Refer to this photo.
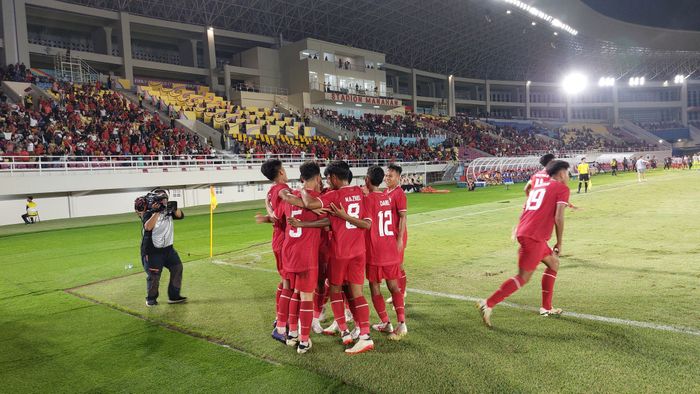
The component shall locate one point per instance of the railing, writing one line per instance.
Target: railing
(340, 129)
(360, 91)
(259, 89)
(100, 164)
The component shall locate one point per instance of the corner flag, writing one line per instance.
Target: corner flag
(212, 207)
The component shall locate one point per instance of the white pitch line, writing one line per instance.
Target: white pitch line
(584, 316)
(613, 320)
(459, 216)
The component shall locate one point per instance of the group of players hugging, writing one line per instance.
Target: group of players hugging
(326, 240)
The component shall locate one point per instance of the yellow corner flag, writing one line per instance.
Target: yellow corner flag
(212, 207)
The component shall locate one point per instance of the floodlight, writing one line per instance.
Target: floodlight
(574, 83)
(679, 79)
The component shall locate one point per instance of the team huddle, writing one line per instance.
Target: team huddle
(326, 241)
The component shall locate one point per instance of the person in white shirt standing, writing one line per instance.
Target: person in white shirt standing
(641, 169)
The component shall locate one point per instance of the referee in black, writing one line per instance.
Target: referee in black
(158, 251)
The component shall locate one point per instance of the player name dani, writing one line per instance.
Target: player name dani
(384, 203)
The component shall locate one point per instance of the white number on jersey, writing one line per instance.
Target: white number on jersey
(534, 200)
(295, 232)
(385, 224)
(354, 211)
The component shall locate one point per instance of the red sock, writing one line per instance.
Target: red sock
(279, 293)
(361, 314)
(548, 279)
(293, 320)
(380, 307)
(402, 282)
(306, 309)
(318, 304)
(510, 286)
(397, 300)
(338, 308)
(351, 306)
(283, 310)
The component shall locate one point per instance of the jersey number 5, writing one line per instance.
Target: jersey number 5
(354, 211)
(295, 232)
(534, 200)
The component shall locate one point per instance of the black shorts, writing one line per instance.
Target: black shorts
(584, 177)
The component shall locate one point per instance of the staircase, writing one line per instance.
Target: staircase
(639, 132)
(69, 68)
(194, 126)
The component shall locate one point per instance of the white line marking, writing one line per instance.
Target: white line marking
(613, 320)
(584, 316)
(458, 216)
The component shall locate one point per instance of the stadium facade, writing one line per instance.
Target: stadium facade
(138, 48)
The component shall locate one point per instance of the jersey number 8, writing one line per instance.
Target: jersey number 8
(354, 211)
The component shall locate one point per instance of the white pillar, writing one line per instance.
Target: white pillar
(15, 38)
(451, 106)
(527, 100)
(616, 106)
(125, 29)
(210, 58)
(488, 97)
(684, 103)
(414, 93)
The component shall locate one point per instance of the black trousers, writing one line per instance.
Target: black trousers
(26, 219)
(153, 263)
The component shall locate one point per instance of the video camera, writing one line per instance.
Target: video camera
(156, 196)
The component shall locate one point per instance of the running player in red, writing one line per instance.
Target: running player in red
(399, 208)
(543, 210)
(383, 255)
(300, 255)
(348, 224)
(274, 171)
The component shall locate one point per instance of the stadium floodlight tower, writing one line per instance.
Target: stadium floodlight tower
(574, 83)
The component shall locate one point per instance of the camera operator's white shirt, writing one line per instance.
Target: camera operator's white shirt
(163, 232)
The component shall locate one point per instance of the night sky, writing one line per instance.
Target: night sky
(672, 14)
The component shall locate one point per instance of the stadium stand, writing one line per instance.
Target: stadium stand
(88, 120)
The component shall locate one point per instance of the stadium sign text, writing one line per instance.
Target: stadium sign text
(351, 98)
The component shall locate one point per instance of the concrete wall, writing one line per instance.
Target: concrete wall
(81, 193)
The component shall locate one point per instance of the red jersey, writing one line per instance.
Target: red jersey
(278, 226)
(537, 219)
(348, 240)
(300, 248)
(539, 176)
(398, 204)
(381, 237)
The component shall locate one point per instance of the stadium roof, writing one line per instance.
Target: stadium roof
(468, 38)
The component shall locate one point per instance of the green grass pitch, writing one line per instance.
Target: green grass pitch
(630, 254)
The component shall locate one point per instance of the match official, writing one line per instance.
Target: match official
(583, 175)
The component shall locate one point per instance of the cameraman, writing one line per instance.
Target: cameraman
(158, 237)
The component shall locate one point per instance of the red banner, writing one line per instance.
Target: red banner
(351, 98)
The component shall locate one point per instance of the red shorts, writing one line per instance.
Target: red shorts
(305, 281)
(531, 253)
(378, 273)
(350, 270)
(280, 266)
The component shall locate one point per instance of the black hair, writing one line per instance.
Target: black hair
(376, 175)
(544, 160)
(340, 169)
(309, 170)
(30, 198)
(271, 168)
(395, 167)
(555, 166)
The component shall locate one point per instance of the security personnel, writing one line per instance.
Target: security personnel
(159, 250)
(613, 166)
(31, 211)
(583, 175)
